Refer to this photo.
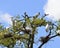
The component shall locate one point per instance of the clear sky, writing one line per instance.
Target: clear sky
(20, 6)
(14, 7)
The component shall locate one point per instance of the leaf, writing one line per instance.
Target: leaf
(38, 21)
(7, 41)
(28, 21)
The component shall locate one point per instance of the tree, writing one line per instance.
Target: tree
(25, 30)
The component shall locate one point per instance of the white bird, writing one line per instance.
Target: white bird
(58, 31)
(29, 29)
(48, 27)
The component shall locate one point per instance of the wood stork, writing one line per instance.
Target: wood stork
(48, 27)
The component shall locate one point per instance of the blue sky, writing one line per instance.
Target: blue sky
(14, 7)
(18, 7)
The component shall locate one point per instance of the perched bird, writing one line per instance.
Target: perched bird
(28, 29)
(58, 31)
(48, 27)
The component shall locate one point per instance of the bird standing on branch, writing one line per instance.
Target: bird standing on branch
(48, 27)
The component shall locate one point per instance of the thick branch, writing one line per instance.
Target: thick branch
(53, 36)
(47, 41)
(41, 45)
(29, 41)
(32, 41)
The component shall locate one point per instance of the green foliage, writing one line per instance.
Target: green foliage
(39, 21)
(10, 35)
(7, 41)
